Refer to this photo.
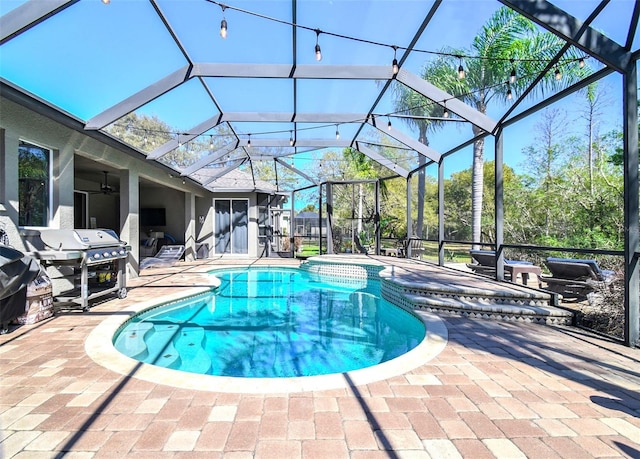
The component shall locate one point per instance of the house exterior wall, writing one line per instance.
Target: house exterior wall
(18, 122)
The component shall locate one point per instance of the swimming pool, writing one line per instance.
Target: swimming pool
(273, 323)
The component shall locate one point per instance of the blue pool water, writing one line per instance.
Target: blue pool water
(273, 323)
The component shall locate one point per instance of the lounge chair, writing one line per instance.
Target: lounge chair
(412, 248)
(167, 256)
(485, 261)
(576, 278)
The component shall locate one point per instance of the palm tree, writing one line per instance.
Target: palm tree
(508, 42)
(420, 109)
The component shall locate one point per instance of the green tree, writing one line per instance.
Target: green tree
(458, 197)
(507, 41)
(574, 192)
(545, 158)
(423, 116)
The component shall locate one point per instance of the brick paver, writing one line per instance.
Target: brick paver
(496, 390)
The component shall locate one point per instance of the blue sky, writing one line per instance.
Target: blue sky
(92, 55)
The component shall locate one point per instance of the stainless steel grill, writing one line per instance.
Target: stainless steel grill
(84, 264)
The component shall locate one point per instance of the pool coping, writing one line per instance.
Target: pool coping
(100, 348)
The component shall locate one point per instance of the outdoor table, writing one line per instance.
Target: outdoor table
(523, 270)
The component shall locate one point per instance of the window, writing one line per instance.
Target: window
(34, 185)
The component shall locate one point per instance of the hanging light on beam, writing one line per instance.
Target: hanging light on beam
(394, 65)
(223, 23)
(461, 72)
(558, 74)
(318, 50)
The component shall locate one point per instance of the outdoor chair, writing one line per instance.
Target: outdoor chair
(576, 278)
(148, 247)
(167, 256)
(412, 248)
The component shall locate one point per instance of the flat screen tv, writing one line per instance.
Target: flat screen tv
(151, 216)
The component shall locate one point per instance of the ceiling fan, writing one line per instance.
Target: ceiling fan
(105, 188)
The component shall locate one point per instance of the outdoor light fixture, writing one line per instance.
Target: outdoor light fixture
(388, 124)
(509, 94)
(461, 73)
(210, 141)
(337, 133)
(581, 62)
(558, 74)
(223, 23)
(249, 141)
(291, 138)
(394, 64)
(223, 28)
(512, 76)
(106, 2)
(318, 51)
(445, 113)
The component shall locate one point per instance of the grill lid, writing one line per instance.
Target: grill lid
(79, 239)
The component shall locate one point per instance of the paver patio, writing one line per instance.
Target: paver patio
(497, 389)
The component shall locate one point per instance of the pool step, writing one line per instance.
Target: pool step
(520, 311)
(163, 352)
(189, 345)
(132, 343)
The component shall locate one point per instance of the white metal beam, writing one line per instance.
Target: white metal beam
(213, 157)
(316, 143)
(184, 138)
(234, 165)
(137, 100)
(421, 148)
(297, 171)
(382, 160)
(439, 96)
(289, 117)
(304, 71)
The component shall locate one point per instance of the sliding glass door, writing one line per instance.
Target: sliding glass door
(232, 226)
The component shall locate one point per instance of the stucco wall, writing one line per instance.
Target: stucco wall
(119, 212)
